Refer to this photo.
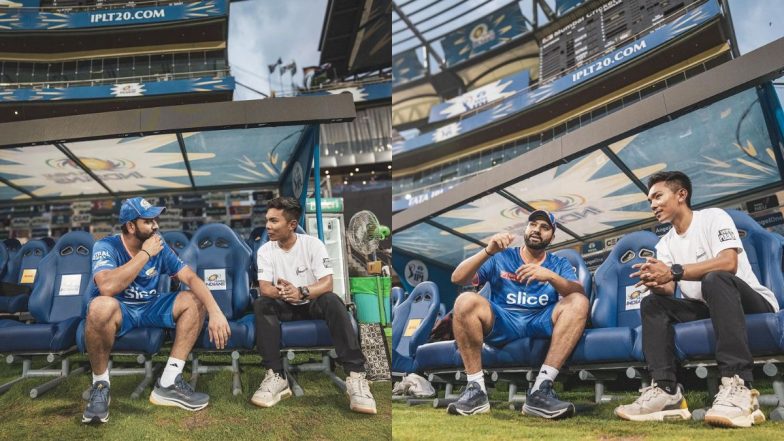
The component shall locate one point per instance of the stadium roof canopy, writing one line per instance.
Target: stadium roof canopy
(162, 150)
(356, 36)
(720, 127)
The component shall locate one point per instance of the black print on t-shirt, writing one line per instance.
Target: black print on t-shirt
(726, 234)
(301, 269)
(326, 262)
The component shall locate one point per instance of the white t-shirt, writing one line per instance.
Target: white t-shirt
(710, 232)
(304, 264)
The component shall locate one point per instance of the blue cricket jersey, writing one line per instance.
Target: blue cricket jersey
(110, 253)
(508, 292)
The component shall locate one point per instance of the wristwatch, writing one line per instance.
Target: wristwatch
(677, 272)
(305, 292)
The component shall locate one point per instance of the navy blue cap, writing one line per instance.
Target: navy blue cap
(135, 208)
(543, 215)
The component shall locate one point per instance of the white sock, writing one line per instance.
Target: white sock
(173, 368)
(479, 377)
(545, 373)
(102, 377)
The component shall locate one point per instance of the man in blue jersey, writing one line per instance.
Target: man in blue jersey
(533, 294)
(124, 290)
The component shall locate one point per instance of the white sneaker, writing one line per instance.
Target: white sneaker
(654, 404)
(735, 405)
(358, 391)
(272, 389)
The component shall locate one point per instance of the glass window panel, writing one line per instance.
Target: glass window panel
(96, 69)
(181, 63)
(125, 67)
(433, 243)
(83, 70)
(69, 71)
(46, 172)
(724, 148)
(141, 65)
(587, 195)
(110, 68)
(241, 156)
(136, 164)
(39, 73)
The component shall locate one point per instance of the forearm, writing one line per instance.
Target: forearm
(467, 268)
(696, 271)
(269, 290)
(564, 286)
(114, 281)
(322, 286)
(200, 290)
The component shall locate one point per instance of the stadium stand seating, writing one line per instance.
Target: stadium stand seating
(55, 304)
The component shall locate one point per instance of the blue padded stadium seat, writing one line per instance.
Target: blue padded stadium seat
(583, 273)
(55, 302)
(22, 270)
(414, 320)
(221, 259)
(695, 340)
(177, 241)
(397, 296)
(615, 313)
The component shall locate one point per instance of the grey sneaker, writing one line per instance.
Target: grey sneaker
(97, 410)
(654, 404)
(358, 391)
(272, 389)
(179, 394)
(735, 405)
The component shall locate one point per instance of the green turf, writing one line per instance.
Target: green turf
(322, 414)
(593, 422)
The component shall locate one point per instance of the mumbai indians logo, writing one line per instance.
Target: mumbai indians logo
(213, 278)
(480, 35)
(560, 203)
(94, 164)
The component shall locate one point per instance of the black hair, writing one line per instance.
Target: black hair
(675, 180)
(290, 206)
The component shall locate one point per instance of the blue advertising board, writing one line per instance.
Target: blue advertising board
(406, 67)
(363, 93)
(482, 35)
(481, 96)
(33, 19)
(515, 104)
(203, 84)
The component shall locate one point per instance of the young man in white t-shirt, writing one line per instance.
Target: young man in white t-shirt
(703, 254)
(295, 279)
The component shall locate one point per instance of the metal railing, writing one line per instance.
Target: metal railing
(85, 6)
(115, 80)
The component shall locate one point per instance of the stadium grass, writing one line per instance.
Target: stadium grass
(321, 414)
(592, 422)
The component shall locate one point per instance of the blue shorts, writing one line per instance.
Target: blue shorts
(509, 325)
(157, 313)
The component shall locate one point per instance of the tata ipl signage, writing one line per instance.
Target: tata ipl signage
(479, 97)
(519, 102)
(32, 19)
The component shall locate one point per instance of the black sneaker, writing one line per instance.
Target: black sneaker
(472, 400)
(179, 394)
(545, 403)
(97, 410)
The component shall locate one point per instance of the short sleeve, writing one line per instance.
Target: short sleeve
(172, 264)
(264, 263)
(567, 270)
(319, 260)
(104, 257)
(722, 233)
(485, 272)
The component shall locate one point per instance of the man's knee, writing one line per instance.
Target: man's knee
(468, 303)
(102, 309)
(265, 305)
(578, 305)
(329, 300)
(190, 301)
(714, 278)
(651, 302)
